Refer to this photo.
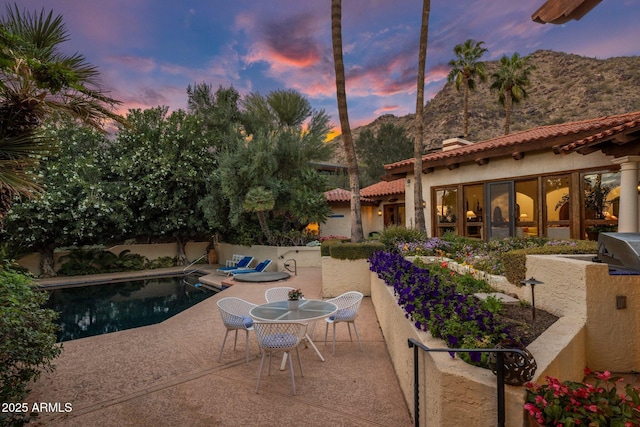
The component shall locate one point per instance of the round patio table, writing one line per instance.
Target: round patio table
(308, 310)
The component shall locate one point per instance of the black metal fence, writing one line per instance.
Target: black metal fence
(416, 345)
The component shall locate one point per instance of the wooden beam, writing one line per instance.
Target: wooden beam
(453, 166)
(428, 170)
(482, 161)
(518, 155)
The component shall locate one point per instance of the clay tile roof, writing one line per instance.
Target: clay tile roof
(338, 195)
(384, 188)
(541, 137)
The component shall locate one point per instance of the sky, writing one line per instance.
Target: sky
(149, 51)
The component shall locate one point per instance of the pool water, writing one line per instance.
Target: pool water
(100, 309)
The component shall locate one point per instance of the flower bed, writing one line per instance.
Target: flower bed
(436, 304)
(571, 403)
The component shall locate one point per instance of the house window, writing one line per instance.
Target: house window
(601, 193)
(526, 214)
(394, 215)
(446, 211)
(557, 207)
(474, 211)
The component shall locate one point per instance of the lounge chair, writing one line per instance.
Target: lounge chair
(259, 268)
(243, 263)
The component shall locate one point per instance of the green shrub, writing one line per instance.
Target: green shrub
(80, 262)
(325, 247)
(28, 343)
(391, 236)
(515, 262)
(162, 262)
(355, 250)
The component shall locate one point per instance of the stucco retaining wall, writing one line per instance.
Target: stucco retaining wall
(304, 256)
(340, 276)
(193, 250)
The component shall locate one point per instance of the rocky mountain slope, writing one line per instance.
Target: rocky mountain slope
(564, 88)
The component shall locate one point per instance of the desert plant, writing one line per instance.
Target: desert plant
(28, 345)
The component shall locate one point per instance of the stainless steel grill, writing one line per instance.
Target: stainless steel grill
(619, 250)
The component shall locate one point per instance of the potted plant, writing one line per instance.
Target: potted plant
(294, 298)
(571, 403)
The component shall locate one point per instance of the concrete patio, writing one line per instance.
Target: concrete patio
(167, 374)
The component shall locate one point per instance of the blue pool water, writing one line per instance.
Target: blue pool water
(99, 309)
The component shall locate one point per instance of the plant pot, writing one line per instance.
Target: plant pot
(212, 256)
(293, 304)
(518, 369)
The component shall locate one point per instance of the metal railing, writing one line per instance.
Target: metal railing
(287, 266)
(186, 269)
(416, 345)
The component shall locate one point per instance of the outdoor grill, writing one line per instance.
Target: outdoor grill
(620, 250)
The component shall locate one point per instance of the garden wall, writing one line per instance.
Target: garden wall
(340, 276)
(193, 250)
(304, 256)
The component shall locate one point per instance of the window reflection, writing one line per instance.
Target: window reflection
(446, 210)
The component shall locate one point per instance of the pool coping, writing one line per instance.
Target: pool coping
(96, 279)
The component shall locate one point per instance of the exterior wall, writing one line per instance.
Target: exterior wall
(506, 168)
(342, 226)
(337, 226)
(304, 256)
(340, 276)
(193, 250)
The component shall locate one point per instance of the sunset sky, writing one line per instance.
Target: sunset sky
(148, 51)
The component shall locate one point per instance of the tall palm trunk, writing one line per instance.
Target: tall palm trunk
(507, 111)
(418, 142)
(357, 234)
(465, 112)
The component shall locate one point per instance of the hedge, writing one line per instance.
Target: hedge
(348, 250)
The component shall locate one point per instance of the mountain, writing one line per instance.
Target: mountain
(564, 88)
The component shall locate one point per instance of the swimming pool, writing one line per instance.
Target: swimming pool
(98, 309)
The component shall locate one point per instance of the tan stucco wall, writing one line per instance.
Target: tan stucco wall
(340, 276)
(342, 226)
(304, 256)
(193, 250)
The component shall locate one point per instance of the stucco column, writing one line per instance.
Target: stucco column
(628, 215)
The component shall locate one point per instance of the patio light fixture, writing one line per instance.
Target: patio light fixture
(533, 282)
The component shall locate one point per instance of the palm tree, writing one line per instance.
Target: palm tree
(510, 82)
(38, 81)
(260, 200)
(418, 142)
(357, 235)
(465, 68)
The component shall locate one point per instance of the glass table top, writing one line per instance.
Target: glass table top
(308, 309)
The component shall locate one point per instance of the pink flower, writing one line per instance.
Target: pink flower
(604, 376)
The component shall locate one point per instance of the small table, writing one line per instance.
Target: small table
(308, 310)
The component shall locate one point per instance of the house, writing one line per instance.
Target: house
(559, 181)
(382, 205)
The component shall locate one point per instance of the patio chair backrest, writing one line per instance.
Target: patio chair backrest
(277, 294)
(263, 265)
(244, 262)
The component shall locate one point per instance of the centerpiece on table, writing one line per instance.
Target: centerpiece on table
(295, 295)
(571, 403)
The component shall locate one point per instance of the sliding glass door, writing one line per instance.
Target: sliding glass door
(500, 213)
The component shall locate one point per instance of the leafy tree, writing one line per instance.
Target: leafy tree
(28, 345)
(82, 203)
(165, 162)
(418, 143)
(259, 200)
(510, 81)
(37, 81)
(218, 113)
(357, 234)
(389, 144)
(465, 68)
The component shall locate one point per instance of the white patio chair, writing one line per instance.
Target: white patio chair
(277, 294)
(279, 336)
(348, 306)
(235, 316)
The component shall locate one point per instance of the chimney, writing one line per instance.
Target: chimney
(453, 143)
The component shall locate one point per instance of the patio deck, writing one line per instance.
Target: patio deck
(167, 374)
